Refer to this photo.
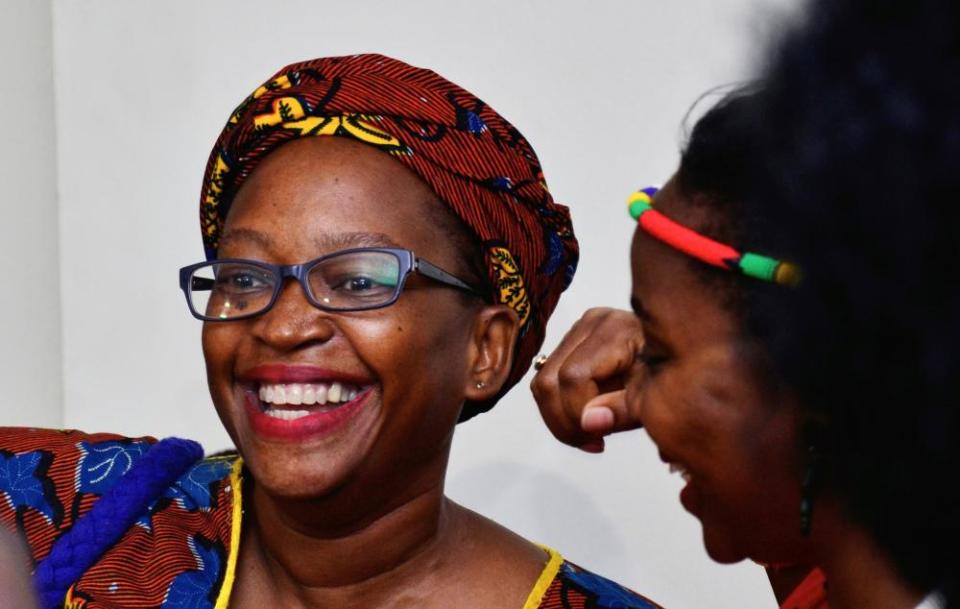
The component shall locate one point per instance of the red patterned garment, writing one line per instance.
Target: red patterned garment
(175, 555)
(181, 553)
(810, 594)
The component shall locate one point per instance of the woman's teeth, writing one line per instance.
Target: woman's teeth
(674, 469)
(295, 394)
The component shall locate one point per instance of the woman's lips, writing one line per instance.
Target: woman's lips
(320, 421)
(297, 402)
(687, 499)
(286, 373)
(687, 494)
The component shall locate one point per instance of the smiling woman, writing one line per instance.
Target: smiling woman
(810, 409)
(362, 294)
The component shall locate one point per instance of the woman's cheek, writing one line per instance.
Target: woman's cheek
(219, 343)
(659, 414)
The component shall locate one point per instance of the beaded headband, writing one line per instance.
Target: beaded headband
(704, 248)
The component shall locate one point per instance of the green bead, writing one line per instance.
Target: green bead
(637, 208)
(759, 267)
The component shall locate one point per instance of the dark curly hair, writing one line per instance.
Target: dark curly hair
(845, 158)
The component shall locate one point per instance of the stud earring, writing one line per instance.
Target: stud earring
(481, 384)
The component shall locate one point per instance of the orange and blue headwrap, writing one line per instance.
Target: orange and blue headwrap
(705, 249)
(475, 161)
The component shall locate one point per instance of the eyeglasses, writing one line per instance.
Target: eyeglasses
(349, 280)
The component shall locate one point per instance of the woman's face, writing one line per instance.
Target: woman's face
(406, 363)
(704, 404)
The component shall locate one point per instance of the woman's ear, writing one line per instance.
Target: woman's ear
(490, 355)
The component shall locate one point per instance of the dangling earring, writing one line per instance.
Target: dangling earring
(808, 487)
(806, 493)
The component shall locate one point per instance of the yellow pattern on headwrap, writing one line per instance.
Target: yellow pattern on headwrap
(283, 110)
(213, 194)
(347, 124)
(509, 283)
(289, 113)
(281, 82)
(220, 169)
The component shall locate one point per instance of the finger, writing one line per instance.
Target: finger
(609, 413)
(591, 359)
(599, 366)
(547, 393)
(597, 420)
(594, 446)
(599, 415)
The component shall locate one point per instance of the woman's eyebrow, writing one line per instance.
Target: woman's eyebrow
(324, 242)
(246, 234)
(338, 241)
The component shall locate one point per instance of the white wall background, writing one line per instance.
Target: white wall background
(30, 353)
(142, 89)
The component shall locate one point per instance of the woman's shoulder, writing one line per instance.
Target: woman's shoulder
(514, 562)
(58, 442)
(51, 480)
(52, 477)
(46, 474)
(565, 584)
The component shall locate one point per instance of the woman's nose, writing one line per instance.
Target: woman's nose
(293, 322)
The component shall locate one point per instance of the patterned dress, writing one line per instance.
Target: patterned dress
(180, 551)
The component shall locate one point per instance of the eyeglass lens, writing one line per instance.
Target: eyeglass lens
(353, 280)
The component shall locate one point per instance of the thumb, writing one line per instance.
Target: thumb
(607, 413)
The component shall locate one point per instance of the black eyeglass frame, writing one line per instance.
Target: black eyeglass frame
(409, 263)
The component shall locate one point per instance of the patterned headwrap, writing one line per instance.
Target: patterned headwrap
(475, 161)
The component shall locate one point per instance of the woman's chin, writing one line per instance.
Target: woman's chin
(306, 469)
(299, 475)
(308, 456)
(722, 546)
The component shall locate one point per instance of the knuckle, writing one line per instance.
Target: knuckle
(542, 388)
(572, 374)
(592, 314)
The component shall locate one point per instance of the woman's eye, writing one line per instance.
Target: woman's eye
(650, 359)
(241, 281)
(244, 281)
(359, 284)
(362, 285)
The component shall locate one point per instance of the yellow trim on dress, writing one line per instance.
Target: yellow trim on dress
(549, 573)
(546, 578)
(236, 484)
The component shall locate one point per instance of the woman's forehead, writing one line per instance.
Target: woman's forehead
(244, 237)
(672, 297)
(302, 166)
(325, 194)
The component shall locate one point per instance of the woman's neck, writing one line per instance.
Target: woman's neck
(291, 556)
(860, 574)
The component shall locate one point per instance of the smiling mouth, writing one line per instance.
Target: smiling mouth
(675, 468)
(287, 401)
(679, 469)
